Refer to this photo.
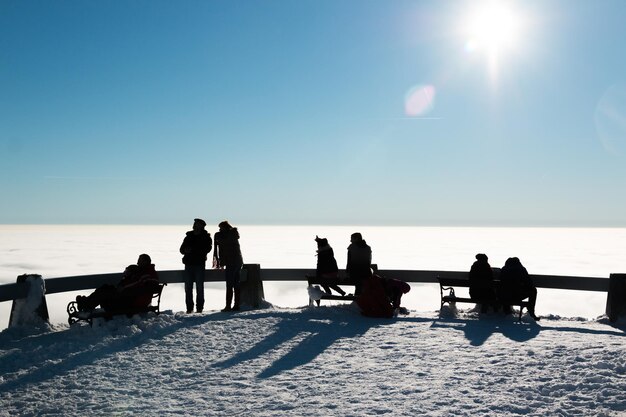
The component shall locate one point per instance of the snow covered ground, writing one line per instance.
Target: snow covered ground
(327, 361)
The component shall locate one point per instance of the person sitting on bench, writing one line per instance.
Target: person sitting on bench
(515, 286)
(133, 291)
(327, 266)
(481, 284)
(359, 261)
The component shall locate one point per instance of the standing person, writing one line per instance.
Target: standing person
(359, 261)
(481, 283)
(196, 245)
(515, 286)
(227, 255)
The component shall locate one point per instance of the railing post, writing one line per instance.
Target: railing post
(251, 286)
(616, 297)
(32, 308)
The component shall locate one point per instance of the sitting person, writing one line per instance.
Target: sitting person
(515, 286)
(481, 283)
(327, 266)
(133, 291)
(359, 261)
(381, 296)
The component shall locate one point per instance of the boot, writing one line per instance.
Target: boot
(237, 299)
(229, 299)
(531, 313)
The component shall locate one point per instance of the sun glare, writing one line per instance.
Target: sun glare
(494, 27)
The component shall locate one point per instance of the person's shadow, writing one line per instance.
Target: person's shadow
(313, 331)
(34, 354)
(477, 331)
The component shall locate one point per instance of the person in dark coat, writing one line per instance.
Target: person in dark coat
(133, 291)
(327, 265)
(196, 245)
(381, 296)
(515, 286)
(359, 261)
(227, 255)
(481, 283)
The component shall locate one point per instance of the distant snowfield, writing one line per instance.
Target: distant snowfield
(327, 361)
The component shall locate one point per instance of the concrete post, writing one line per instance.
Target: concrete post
(252, 294)
(616, 297)
(33, 308)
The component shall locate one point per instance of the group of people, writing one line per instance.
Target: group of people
(514, 285)
(139, 281)
(227, 255)
(376, 296)
(135, 289)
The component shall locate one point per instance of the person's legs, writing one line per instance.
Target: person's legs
(199, 279)
(232, 286)
(189, 280)
(96, 298)
(531, 293)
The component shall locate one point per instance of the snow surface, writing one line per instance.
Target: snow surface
(325, 361)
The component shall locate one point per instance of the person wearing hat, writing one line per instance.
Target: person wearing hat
(227, 255)
(327, 266)
(359, 261)
(196, 245)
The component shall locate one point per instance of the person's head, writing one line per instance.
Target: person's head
(355, 237)
(224, 225)
(198, 225)
(144, 260)
(481, 257)
(512, 262)
(321, 242)
(130, 270)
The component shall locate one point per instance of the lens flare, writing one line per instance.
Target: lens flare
(610, 119)
(419, 100)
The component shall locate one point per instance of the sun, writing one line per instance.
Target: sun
(493, 27)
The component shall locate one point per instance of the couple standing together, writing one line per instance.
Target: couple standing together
(227, 254)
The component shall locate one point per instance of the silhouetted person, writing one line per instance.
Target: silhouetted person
(327, 265)
(381, 296)
(227, 255)
(359, 261)
(133, 291)
(196, 245)
(515, 286)
(395, 289)
(481, 283)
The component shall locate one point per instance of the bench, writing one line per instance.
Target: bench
(448, 284)
(312, 280)
(75, 315)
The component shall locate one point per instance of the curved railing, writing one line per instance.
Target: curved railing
(9, 292)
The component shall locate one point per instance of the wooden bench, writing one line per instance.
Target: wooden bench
(312, 280)
(448, 284)
(75, 315)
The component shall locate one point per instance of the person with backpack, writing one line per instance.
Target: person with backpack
(227, 255)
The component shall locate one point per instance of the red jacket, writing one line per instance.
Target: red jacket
(373, 300)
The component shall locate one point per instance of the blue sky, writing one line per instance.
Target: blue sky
(295, 112)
